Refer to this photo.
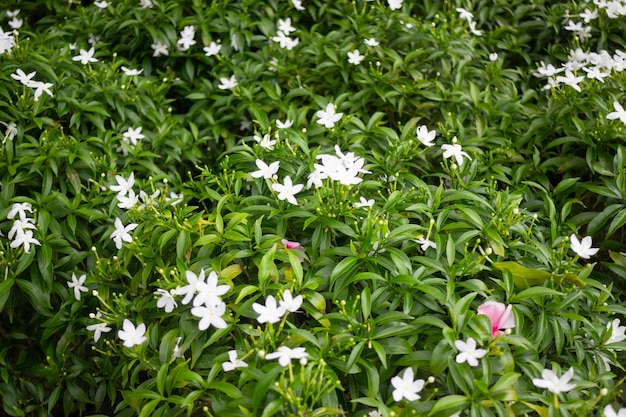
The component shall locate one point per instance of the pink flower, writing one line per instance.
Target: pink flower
(288, 244)
(501, 316)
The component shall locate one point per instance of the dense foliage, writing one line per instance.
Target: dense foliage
(312, 208)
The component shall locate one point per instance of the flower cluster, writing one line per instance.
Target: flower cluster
(21, 234)
(272, 312)
(186, 40)
(284, 29)
(15, 22)
(7, 41)
(464, 14)
(207, 304)
(38, 87)
(341, 168)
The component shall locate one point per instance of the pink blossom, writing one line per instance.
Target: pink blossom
(288, 244)
(501, 316)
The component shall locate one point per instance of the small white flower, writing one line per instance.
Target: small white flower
(288, 190)
(270, 312)
(101, 4)
(24, 238)
(468, 352)
(355, 57)
(284, 25)
(371, 42)
(406, 387)
(425, 243)
(288, 123)
(165, 301)
(265, 171)
(160, 49)
(425, 136)
(133, 135)
(265, 142)
(456, 151)
(212, 49)
(285, 355)
(617, 332)
(297, 4)
(609, 412)
(120, 234)
(363, 202)
(553, 383)
(132, 335)
(77, 285)
(210, 316)
(227, 83)
(85, 57)
(493, 57)
(123, 185)
(178, 352)
(619, 113)
(20, 209)
(289, 303)
(328, 117)
(131, 72)
(233, 362)
(583, 248)
(98, 328)
(395, 4)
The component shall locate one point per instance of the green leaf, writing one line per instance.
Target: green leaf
(5, 291)
(534, 292)
(449, 401)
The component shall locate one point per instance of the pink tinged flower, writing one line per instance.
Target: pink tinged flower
(406, 387)
(289, 303)
(265, 171)
(120, 234)
(210, 316)
(98, 328)
(619, 113)
(166, 300)
(553, 383)
(501, 316)
(233, 362)
(123, 185)
(468, 352)
(270, 312)
(77, 285)
(190, 290)
(208, 293)
(85, 57)
(425, 136)
(132, 335)
(288, 190)
(609, 412)
(328, 117)
(583, 248)
(286, 354)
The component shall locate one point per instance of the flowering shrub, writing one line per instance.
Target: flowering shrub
(368, 208)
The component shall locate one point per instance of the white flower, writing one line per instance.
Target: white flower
(609, 412)
(210, 315)
(287, 191)
(7, 41)
(132, 335)
(316, 177)
(190, 290)
(375, 413)
(493, 57)
(13, 13)
(187, 38)
(619, 113)
(98, 328)
(425, 244)
(16, 23)
(233, 362)
(472, 26)
(285, 355)
(145, 4)
(24, 238)
(406, 387)
(265, 171)
(212, 49)
(355, 57)
(270, 312)
(85, 57)
(101, 4)
(159, 49)
(120, 234)
(425, 136)
(24, 78)
(554, 384)
(328, 117)
(178, 352)
(20, 226)
(298, 5)
(10, 132)
(288, 123)
(227, 83)
(285, 41)
(265, 142)
(40, 88)
(583, 248)
(464, 14)
(363, 202)
(468, 352)
(455, 150)
(395, 4)
(570, 79)
(371, 42)
(123, 185)
(127, 201)
(133, 135)
(617, 332)
(77, 285)
(20, 209)
(174, 198)
(288, 303)
(208, 293)
(165, 301)
(131, 72)
(284, 25)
